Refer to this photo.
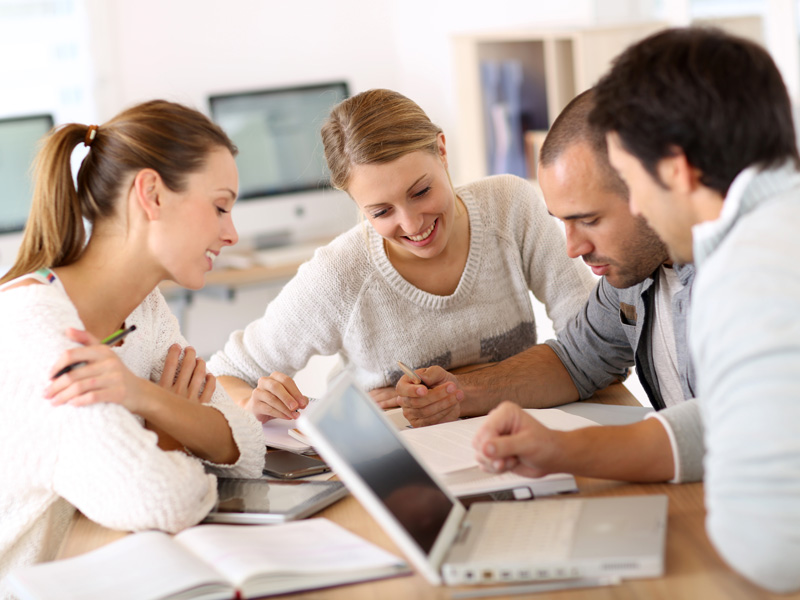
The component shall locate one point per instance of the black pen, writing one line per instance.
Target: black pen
(109, 341)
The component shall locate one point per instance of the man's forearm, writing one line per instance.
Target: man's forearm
(534, 378)
(638, 452)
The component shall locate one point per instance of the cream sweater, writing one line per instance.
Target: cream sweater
(99, 458)
(350, 299)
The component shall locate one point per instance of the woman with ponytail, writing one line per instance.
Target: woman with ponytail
(127, 433)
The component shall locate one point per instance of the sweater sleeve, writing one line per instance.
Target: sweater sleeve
(684, 425)
(308, 317)
(98, 457)
(745, 338)
(561, 283)
(593, 346)
(247, 431)
(113, 471)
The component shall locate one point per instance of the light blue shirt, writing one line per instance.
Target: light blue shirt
(744, 334)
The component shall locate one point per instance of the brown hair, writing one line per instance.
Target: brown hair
(572, 127)
(169, 138)
(376, 126)
(718, 98)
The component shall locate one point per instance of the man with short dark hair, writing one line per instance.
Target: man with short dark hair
(699, 126)
(635, 315)
(637, 311)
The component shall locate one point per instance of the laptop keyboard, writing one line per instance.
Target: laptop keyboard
(537, 529)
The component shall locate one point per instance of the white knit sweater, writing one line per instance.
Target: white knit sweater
(98, 458)
(350, 299)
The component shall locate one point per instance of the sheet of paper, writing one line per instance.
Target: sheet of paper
(447, 447)
(395, 415)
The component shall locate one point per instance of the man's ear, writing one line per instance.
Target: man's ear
(677, 173)
(146, 187)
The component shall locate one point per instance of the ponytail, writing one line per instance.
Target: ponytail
(54, 234)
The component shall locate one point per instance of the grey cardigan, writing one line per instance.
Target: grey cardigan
(613, 333)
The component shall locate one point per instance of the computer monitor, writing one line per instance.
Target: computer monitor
(19, 142)
(284, 184)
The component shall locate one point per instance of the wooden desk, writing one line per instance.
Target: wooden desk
(224, 282)
(693, 568)
(230, 278)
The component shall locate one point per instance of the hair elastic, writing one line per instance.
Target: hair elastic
(90, 135)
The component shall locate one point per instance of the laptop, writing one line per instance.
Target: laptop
(491, 542)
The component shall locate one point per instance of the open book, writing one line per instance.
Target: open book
(446, 449)
(210, 562)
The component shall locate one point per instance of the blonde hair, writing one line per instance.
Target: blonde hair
(376, 126)
(169, 138)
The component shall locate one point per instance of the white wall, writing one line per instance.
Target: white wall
(185, 50)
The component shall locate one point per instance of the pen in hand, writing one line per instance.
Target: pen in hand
(407, 370)
(109, 341)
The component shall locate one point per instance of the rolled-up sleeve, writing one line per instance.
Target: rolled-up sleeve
(684, 426)
(593, 346)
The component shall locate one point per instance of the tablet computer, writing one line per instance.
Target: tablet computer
(254, 501)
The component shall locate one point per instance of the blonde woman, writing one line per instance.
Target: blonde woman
(126, 433)
(435, 276)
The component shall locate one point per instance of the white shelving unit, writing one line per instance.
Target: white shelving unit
(557, 64)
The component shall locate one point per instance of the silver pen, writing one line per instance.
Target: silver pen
(408, 371)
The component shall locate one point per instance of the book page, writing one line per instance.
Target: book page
(140, 566)
(447, 447)
(298, 547)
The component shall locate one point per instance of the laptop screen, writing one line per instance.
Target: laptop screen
(373, 450)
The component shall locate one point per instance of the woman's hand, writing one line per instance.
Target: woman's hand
(385, 397)
(104, 377)
(276, 397)
(187, 378)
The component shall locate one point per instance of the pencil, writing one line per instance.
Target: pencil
(117, 336)
(109, 341)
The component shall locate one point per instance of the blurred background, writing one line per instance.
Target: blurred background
(492, 75)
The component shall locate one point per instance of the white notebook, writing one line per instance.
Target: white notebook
(210, 562)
